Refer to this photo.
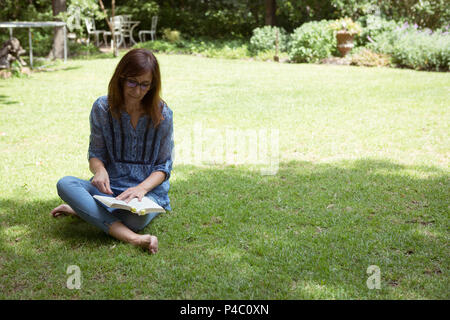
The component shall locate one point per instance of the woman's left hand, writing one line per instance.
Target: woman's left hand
(133, 192)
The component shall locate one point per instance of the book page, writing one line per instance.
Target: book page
(146, 203)
(136, 206)
(105, 200)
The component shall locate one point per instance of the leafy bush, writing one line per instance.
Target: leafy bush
(226, 52)
(79, 50)
(416, 49)
(231, 49)
(430, 14)
(76, 13)
(42, 41)
(219, 18)
(372, 27)
(346, 24)
(312, 42)
(16, 69)
(162, 46)
(293, 13)
(171, 35)
(354, 8)
(264, 39)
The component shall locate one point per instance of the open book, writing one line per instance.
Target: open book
(139, 207)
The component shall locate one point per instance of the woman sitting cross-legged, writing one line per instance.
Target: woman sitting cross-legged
(130, 152)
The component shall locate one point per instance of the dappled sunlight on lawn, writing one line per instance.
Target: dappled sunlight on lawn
(359, 179)
(308, 232)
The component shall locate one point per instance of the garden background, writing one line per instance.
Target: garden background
(363, 155)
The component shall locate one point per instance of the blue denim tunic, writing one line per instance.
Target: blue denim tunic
(131, 155)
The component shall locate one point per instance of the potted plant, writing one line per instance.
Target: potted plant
(345, 29)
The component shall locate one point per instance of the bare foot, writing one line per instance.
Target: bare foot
(149, 242)
(63, 210)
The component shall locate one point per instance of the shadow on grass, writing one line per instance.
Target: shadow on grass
(53, 68)
(308, 232)
(94, 56)
(4, 99)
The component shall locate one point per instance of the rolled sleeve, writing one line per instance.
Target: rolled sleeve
(166, 154)
(97, 145)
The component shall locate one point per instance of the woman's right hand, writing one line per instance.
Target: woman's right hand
(101, 181)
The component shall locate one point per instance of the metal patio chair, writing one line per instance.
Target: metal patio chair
(90, 26)
(151, 32)
(118, 31)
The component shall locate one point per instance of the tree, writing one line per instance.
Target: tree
(271, 8)
(58, 6)
(110, 24)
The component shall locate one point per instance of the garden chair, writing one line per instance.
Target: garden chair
(127, 28)
(118, 31)
(90, 26)
(152, 32)
(126, 17)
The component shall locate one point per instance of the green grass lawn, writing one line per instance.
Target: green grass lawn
(362, 180)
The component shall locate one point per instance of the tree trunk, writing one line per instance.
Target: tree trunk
(113, 8)
(57, 51)
(111, 24)
(271, 7)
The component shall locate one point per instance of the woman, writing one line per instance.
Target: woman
(130, 152)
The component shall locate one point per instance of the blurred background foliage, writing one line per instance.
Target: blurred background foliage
(242, 22)
(238, 18)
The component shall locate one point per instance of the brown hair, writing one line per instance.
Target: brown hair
(135, 63)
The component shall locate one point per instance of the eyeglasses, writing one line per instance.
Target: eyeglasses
(133, 83)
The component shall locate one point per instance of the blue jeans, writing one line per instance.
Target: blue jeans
(77, 193)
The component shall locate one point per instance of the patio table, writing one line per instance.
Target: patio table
(129, 27)
(29, 25)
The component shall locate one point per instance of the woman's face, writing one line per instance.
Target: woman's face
(136, 87)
